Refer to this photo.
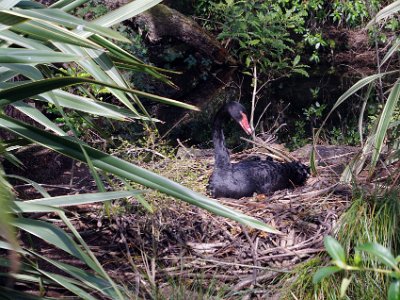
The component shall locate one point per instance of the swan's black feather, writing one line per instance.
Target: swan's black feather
(249, 176)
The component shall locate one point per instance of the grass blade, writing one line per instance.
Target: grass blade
(11, 294)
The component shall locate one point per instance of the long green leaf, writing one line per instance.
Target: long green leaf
(106, 64)
(34, 184)
(391, 51)
(66, 283)
(125, 12)
(387, 11)
(356, 87)
(124, 169)
(59, 17)
(22, 41)
(41, 86)
(27, 56)
(126, 60)
(23, 69)
(38, 116)
(91, 67)
(62, 3)
(23, 207)
(65, 6)
(394, 290)
(6, 4)
(50, 32)
(335, 250)
(6, 229)
(380, 252)
(108, 75)
(6, 74)
(351, 91)
(93, 107)
(95, 282)
(8, 246)
(84, 278)
(29, 4)
(7, 21)
(111, 72)
(83, 104)
(384, 121)
(69, 200)
(324, 272)
(12, 294)
(52, 235)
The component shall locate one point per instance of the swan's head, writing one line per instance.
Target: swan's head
(238, 113)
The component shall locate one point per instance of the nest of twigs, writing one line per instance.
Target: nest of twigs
(190, 243)
(183, 242)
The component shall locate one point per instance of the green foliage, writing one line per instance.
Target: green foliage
(383, 130)
(267, 32)
(92, 10)
(300, 137)
(271, 33)
(348, 135)
(370, 221)
(261, 32)
(352, 13)
(377, 251)
(378, 215)
(316, 41)
(314, 112)
(211, 17)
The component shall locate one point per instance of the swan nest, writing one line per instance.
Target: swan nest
(180, 241)
(193, 243)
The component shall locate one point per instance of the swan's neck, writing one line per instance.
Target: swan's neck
(221, 154)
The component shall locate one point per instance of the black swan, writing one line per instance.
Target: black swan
(246, 177)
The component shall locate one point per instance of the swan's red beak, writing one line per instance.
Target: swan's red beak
(244, 122)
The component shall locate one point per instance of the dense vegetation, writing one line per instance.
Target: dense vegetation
(67, 76)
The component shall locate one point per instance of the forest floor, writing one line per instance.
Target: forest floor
(180, 250)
